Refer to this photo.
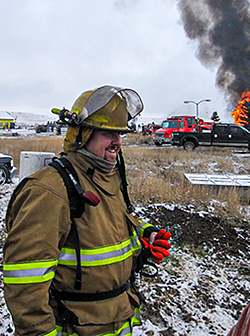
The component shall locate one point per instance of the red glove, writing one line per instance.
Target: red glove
(159, 248)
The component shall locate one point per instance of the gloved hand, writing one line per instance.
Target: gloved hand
(158, 250)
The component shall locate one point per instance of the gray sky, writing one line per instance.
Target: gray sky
(52, 50)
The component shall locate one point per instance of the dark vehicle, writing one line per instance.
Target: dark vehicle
(221, 135)
(41, 128)
(7, 169)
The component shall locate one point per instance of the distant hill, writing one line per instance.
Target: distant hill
(31, 119)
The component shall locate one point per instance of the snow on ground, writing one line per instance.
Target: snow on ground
(6, 326)
(203, 287)
(200, 290)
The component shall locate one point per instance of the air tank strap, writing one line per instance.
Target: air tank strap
(88, 297)
(122, 171)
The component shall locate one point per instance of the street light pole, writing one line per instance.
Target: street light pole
(197, 105)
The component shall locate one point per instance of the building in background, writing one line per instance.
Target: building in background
(7, 121)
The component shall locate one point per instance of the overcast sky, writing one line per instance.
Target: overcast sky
(52, 50)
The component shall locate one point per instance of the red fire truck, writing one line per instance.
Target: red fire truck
(179, 124)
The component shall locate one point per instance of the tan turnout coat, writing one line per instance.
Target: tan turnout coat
(40, 223)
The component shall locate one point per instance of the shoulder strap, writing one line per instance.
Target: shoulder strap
(77, 206)
(71, 181)
(77, 199)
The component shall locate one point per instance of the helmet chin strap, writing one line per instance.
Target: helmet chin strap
(122, 171)
(79, 137)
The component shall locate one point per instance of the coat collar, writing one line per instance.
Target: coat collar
(108, 182)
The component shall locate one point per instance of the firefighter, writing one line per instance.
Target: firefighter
(45, 291)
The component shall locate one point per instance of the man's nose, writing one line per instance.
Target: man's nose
(116, 137)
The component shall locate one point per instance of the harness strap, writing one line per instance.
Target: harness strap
(67, 315)
(71, 181)
(70, 170)
(122, 171)
(87, 297)
(78, 277)
(77, 207)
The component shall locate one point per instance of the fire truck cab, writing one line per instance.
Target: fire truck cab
(179, 124)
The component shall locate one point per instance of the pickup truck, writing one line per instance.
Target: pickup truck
(221, 135)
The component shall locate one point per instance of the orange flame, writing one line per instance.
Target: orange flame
(241, 113)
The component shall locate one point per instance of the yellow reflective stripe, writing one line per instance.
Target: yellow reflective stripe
(28, 280)
(32, 272)
(97, 251)
(136, 241)
(101, 256)
(143, 226)
(30, 265)
(136, 319)
(124, 330)
(103, 262)
(51, 333)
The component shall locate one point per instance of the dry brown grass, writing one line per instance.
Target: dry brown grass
(15, 145)
(156, 175)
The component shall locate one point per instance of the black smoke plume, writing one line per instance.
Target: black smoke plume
(222, 30)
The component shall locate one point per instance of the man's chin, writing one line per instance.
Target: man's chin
(110, 158)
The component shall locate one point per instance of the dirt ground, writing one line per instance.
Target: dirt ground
(223, 236)
(207, 271)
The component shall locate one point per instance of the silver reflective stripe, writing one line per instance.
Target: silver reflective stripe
(137, 315)
(125, 331)
(103, 255)
(97, 257)
(135, 240)
(28, 272)
(142, 227)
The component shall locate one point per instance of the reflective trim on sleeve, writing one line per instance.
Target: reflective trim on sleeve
(103, 255)
(142, 227)
(136, 319)
(32, 272)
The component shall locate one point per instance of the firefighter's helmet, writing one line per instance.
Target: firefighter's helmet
(106, 108)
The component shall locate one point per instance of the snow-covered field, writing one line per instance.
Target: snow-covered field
(6, 327)
(200, 290)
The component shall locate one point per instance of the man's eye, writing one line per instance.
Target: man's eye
(111, 134)
(108, 134)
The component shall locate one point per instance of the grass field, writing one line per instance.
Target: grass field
(156, 175)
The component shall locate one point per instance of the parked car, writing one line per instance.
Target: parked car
(7, 169)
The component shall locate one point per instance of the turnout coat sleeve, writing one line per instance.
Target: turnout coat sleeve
(39, 221)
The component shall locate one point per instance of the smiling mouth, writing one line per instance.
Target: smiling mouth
(111, 149)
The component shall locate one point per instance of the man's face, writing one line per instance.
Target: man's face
(105, 144)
